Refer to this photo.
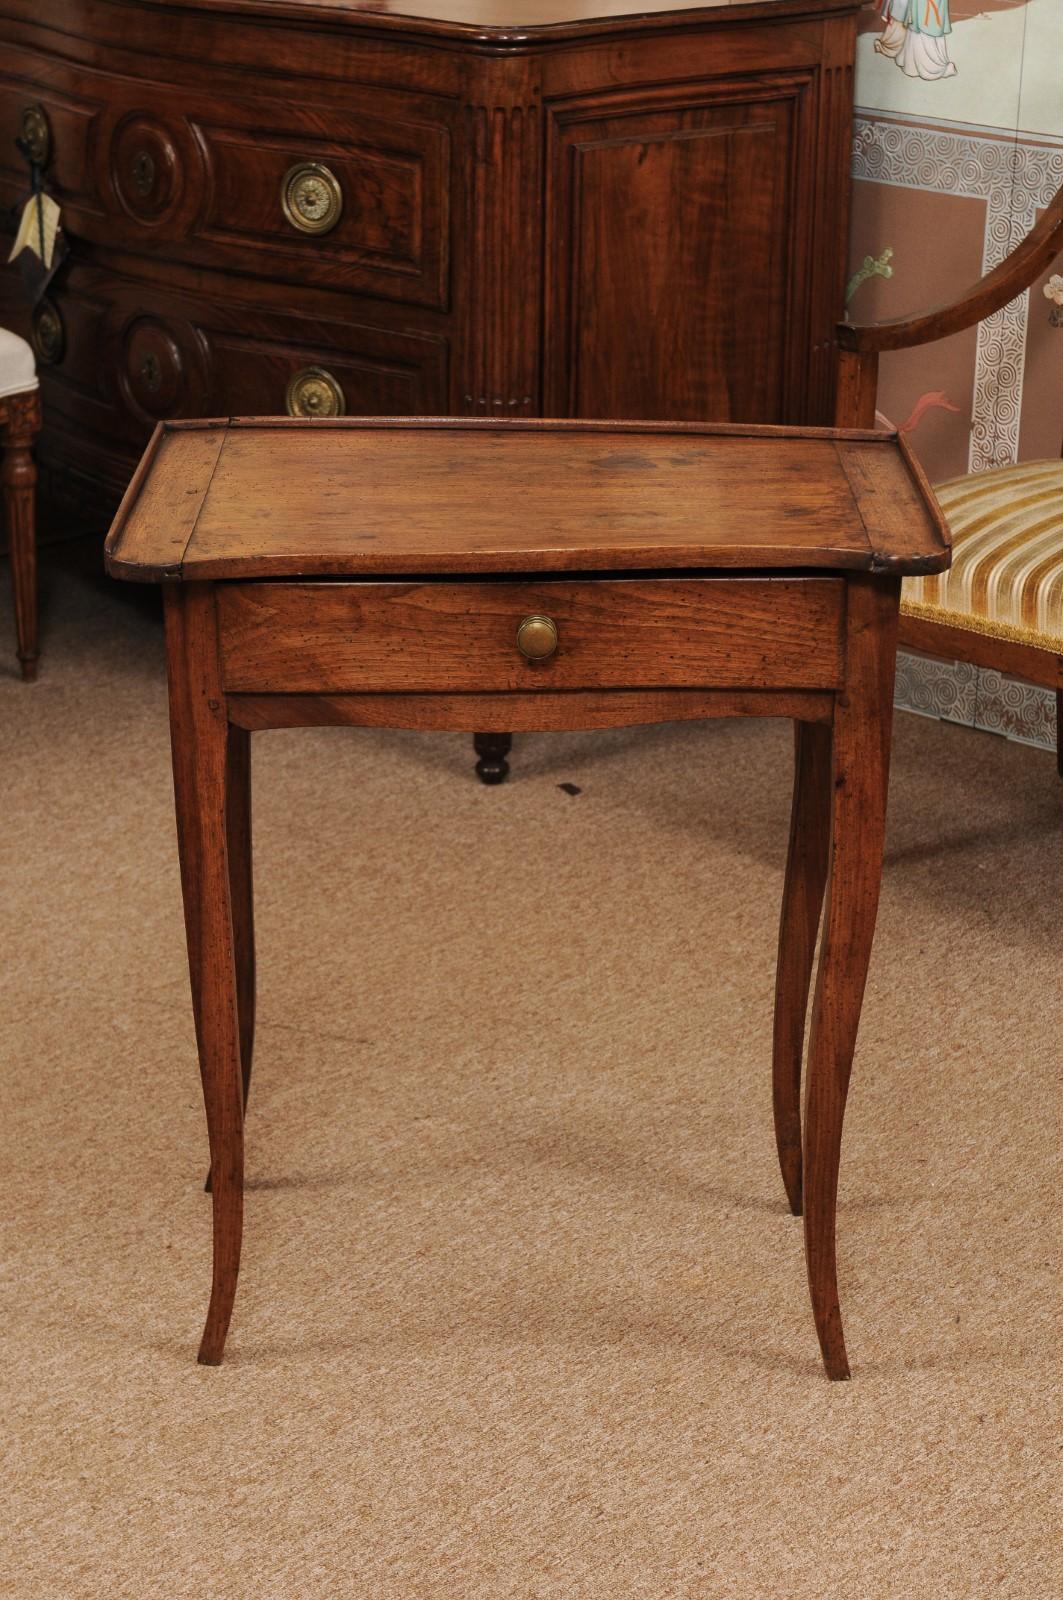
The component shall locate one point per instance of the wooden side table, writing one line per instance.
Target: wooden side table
(535, 575)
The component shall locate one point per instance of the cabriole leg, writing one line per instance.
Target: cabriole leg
(859, 780)
(201, 766)
(806, 874)
(241, 892)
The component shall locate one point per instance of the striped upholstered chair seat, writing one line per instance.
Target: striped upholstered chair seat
(1006, 578)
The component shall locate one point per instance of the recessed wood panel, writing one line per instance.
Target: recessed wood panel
(379, 372)
(668, 258)
(72, 121)
(390, 237)
(136, 352)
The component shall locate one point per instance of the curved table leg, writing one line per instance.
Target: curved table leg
(806, 874)
(859, 781)
(241, 890)
(201, 757)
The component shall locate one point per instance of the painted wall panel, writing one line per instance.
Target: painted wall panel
(958, 146)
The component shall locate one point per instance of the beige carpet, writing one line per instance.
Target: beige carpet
(522, 1313)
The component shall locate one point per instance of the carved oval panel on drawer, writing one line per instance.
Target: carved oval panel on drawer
(161, 369)
(146, 169)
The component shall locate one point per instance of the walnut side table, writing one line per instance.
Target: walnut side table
(535, 575)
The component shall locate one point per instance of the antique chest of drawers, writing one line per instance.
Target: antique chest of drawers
(482, 208)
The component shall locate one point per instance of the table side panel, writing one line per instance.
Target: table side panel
(154, 523)
(905, 527)
(336, 638)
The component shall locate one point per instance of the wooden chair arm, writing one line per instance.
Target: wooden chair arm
(998, 288)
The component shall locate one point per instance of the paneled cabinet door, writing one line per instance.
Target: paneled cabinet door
(672, 231)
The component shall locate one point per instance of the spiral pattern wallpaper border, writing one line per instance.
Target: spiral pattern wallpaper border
(954, 691)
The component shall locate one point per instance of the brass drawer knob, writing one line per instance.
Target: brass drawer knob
(313, 392)
(311, 197)
(537, 637)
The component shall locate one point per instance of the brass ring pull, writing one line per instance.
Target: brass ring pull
(313, 392)
(537, 637)
(311, 197)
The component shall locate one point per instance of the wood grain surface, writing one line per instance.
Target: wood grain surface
(405, 497)
(336, 638)
(204, 795)
(519, 712)
(806, 875)
(859, 780)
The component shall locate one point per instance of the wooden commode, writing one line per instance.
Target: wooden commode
(434, 573)
(486, 208)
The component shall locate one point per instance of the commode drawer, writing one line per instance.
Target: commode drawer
(278, 186)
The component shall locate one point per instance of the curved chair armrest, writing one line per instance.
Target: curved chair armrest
(1015, 274)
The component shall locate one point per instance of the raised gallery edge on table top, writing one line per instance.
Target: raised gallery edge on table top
(412, 496)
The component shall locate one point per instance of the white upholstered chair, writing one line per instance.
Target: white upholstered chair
(20, 422)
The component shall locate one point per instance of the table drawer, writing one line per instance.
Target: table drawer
(335, 638)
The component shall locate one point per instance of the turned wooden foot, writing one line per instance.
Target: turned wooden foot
(492, 749)
(20, 422)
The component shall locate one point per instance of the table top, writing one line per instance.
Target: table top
(374, 497)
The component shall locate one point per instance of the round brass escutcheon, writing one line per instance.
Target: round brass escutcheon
(313, 392)
(37, 134)
(311, 197)
(49, 334)
(537, 637)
